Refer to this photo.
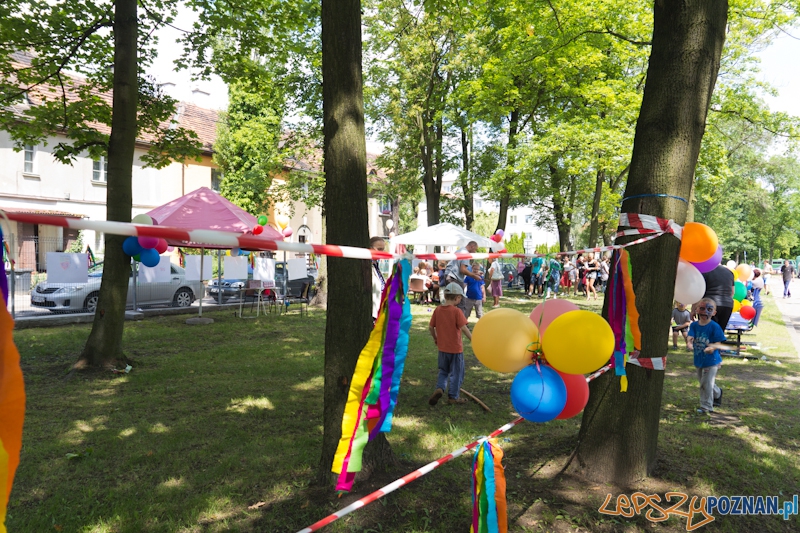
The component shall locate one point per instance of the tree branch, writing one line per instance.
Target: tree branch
(753, 122)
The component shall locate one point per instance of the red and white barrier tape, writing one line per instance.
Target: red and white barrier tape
(394, 485)
(222, 239)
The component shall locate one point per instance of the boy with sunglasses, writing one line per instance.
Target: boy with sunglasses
(705, 339)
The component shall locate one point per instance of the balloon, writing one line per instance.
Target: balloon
(149, 257)
(578, 342)
(746, 303)
(162, 246)
(143, 219)
(731, 264)
(282, 221)
(262, 220)
(739, 290)
(287, 232)
(503, 251)
(170, 248)
(496, 238)
(258, 230)
(690, 285)
(500, 232)
(148, 242)
(748, 313)
(736, 306)
(711, 264)
(538, 393)
(735, 274)
(136, 257)
(544, 313)
(744, 271)
(501, 340)
(698, 243)
(235, 252)
(131, 246)
(577, 394)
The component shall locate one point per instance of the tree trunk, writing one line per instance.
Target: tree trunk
(350, 281)
(466, 179)
(560, 211)
(104, 345)
(505, 198)
(619, 431)
(598, 193)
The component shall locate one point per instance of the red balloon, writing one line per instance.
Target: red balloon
(162, 246)
(747, 312)
(496, 237)
(577, 394)
(503, 251)
(257, 230)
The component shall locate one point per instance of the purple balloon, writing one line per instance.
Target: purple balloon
(710, 264)
(148, 242)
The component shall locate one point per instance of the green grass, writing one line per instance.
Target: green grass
(218, 429)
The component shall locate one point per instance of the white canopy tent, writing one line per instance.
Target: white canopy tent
(445, 235)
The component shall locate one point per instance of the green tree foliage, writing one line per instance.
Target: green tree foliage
(515, 243)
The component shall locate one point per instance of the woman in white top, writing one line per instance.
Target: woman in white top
(592, 267)
(496, 275)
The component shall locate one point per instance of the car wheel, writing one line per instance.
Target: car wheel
(90, 304)
(183, 298)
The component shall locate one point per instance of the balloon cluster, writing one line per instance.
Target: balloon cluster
(497, 237)
(262, 221)
(282, 221)
(700, 253)
(146, 250)
(563, 343)
(741, 275)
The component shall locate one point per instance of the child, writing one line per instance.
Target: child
(476, 292)
(706, 337)
(446, 326)
(681, 319)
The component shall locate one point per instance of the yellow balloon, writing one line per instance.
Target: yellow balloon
(744, 272)
(578, 342)
(736, 306)
(746, 303)
(735, 273)
(282, 221)
(502, 340)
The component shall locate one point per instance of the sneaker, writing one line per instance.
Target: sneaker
(718, 401)
(674, 346)
(702, 411)
(456, 401)
(434, 399)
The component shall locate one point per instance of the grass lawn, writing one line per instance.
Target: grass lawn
(218, 428)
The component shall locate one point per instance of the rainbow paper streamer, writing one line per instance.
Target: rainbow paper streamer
(12, 404)
(376, 379)
(489, 513)
(622, 314)
(89, 253)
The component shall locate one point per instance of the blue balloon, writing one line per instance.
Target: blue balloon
(538, 394)
(131, 246)
(149, 257)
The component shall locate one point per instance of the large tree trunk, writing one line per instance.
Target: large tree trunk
(505, 198)
(600, 179)
(350, 281)
(466, 178)
(104, 346)
(619, 431)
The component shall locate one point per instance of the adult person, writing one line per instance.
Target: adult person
(537, 271)
(526, 274)
(787, 272)
(719, 287)
(758, 286)
(378, 281)
(592, 268)
(496, 277)
(457, 269)
(766, 273)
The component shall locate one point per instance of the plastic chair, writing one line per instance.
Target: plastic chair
(302, 300)
(416, 286)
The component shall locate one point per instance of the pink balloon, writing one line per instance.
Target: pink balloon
(544, 313)
(170, 248)
(148, 242)
(162, 246)
(287, 232)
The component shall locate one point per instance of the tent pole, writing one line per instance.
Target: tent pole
(202, 256)
(219, 277)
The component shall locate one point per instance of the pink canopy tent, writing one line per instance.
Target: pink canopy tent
(207, 209)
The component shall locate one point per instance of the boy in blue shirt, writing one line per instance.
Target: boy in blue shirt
(476, 292)
(705, 339)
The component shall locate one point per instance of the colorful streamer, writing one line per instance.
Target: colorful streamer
(489, 513)
(12, 405)
(376, 378)
(90, 255)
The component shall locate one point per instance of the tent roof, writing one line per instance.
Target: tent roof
(444, 234)
(207, 209)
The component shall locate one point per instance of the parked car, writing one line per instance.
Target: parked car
(778, 263)
(82, 297)
(231, 288)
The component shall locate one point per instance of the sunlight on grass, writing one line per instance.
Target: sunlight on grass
(173, 483)
(127, 432)
(158, 427)
(315, 383)
(412, 422)
(243, 405)
(104, 526)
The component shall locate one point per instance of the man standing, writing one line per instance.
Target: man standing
(378, 282)
(787, 271)
(457, 269)
(719, 287)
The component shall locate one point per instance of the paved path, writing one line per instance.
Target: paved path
(789, 307)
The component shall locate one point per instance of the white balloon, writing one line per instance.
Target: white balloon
(690, 286)
(731, 264)
(143, 219)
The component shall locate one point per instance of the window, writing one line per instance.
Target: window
(528, 219)
(385, 205)
(30, 159)
(447, 187)
(100, 170)
(216, 178)
(478, 204)
(513, 219)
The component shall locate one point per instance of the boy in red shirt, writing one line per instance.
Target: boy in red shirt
(447, 325)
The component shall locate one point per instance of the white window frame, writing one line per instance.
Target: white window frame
(102, 171)
(513, 219)
(29, 165)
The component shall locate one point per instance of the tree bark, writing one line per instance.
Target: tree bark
(600, 179)
(350, 281)
(562, 212)
(104, 345)
(619, 431)
(505, 198)
(466, 179)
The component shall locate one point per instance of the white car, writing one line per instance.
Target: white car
(82, 297)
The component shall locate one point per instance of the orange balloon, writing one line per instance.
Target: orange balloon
(698, 242)
(744, 271)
